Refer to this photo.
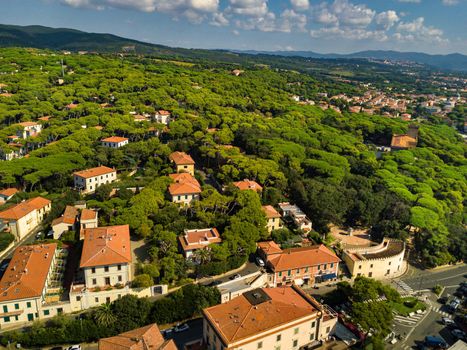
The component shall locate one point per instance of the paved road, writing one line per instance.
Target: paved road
(194, 333)
(426, 279)
(249, 268)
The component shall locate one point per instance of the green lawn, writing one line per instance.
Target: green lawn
(404, 310)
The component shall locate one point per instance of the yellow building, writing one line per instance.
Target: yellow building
(273, 216)
(183, 163)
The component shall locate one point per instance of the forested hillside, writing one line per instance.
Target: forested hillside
(235, 127)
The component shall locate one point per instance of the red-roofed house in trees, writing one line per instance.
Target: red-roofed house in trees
(114, 142)
(184, 189)
(183, 162)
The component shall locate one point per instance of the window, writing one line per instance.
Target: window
(90, 187)
(78, 298)
(359, 267)
(106, 268)
(324, 267)
(94, 281)
(332, 265)
(328, 329)
(6, 319)
(260, 345)
(107, 281)
(370, 274)
(107, 300)
(120, 278)
(28, 304)
(280, 274)
(93, 270)
(5, 308)
(16, 306)
(388, 272)
(295, 331)
(60, 311)
(46, 312)
(179, 197)
(359, 274)
(186, 196)
(288, 273)
(278, 337)
(295, 343)
(312, 336)
(96, 299)
(371, 266)
(390, 262)
(306, 269)
(119, 267)
(313, 324)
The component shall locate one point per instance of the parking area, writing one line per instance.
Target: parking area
(194, 332)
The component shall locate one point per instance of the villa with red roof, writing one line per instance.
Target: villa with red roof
(87, 181)
(304, 265)
(26, 216)
(183, 162)
(163, 117)
(114, 142)
(248, 185)
(193, 240)
(7, 193)
(273, 216)
(29, 129)
(184, 189)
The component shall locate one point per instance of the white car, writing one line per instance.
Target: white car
(260, 261)
(182, 328)
(447, 321)
(74, 347)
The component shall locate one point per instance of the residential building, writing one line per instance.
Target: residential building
(25, 283)
(183, 163)
(144, 338)
(273, 217)
(105, 267)
(405, 141)
(114, 142)
(87, 181)
(26, 216)
(163, 117)
(15, 150)
(248, 185)
(7, 194)
(300, 266)
(268, 318)
(232, 289)
(29, 129)
(382, 261)
(184, 189)
(88, 219)
(193, 240)
(67, 222)
(297, 215)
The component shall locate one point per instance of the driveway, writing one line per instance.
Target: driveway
(139, 252)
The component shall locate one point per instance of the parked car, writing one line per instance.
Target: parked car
(57, 348)
(39, 235)
(167, 332)
(260, 261)
(443, 300)
(447, 321)
(437, 342)
(458, 334)
(181, 328)
(236, 276)
(75, 347)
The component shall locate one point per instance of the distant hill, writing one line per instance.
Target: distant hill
(454, 61)
(75, 40)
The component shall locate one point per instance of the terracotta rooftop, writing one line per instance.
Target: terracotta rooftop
(88, 214)
(403, 141)
(269, 247)
(27, 272)
(258, 311)
(295, 258)
(72, 105)
(25, 124)
(184, 184)
(181, 158)
(7, 192)
(101, 170)
(19, 210)
(106, 246)
(270, 212)
(68, 217)
(144, 338)
(115, 139)
(198, 239)
(163, 112)
(248, 185)
(45, 118)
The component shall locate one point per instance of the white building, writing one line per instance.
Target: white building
(29, 129)
(297, 215)
(193, 240)
(232, 289)
(114, 142)
(7, 193)
(163, 117)
(87, 181)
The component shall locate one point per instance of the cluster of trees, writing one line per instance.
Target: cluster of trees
(120, 316)
(235, 128)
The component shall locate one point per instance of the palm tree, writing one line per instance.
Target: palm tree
(104, 315)
(202, 255)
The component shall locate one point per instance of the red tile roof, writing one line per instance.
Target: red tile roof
(198, 239)
(184, 184)
(45, 118)
(25, 124)
(403, 141)
(144, 338)
(248, 185)
(181, 158)
(88, 214)
(240, 318)
(295, 258)
(269, 247)
(68, 217)
(101, 170)
(106, 246)
(163, 112)
(27, 272)
(22, 209)
(7, 192)
(115, 139)
(270, 212)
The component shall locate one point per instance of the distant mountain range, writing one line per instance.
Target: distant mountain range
(75, 40)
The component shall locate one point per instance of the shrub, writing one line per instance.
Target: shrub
(5, 240)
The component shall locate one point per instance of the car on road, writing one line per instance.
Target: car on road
(236, 276)
(181, 328)
(453, 305)
(447, 321)
(458, 334)
(260, 261)
(215, 283)
(443, 300)
(39, 235)
(74, 347)
(436, 342)
(167, 332)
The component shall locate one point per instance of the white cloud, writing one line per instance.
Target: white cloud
(450, 2)
(219, 20)
(300, 5)
(253, 8)
(290, 20)
(350, 33)
(411, 1)
(417, 30)
(322, 15)
(386, 19)
(352, 15)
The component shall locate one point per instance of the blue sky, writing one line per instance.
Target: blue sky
(341, 26)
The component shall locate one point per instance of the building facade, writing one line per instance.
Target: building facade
(87, 181)
(163, 117)
(114, 142)
(298, 217)
(184, 189)
(26, 216)
(6, 194)
(183, 162)
(273, 217)
(29, 129)
(383, 261)
(194, 240)
(267, 318)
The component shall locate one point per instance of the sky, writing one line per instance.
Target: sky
(324, 26)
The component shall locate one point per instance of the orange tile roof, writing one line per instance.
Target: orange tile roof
(181, 158)
(45, 118)
(144, 338)
(184, 184)
(72, 105)
(163, 112)
(269, 247)
(106, 246)
(25, 124)
(88, 214)
(270, 212)
(87, 173)
(13, 137)
(68, 217)
(22, 209)
(248, 185)
(116, 139)
(7, 192)
(240, 318)
(295, 258)
(98, 127)
(198, 239)
(27, 272)
(403, 141)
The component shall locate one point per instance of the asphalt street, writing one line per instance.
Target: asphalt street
(426, 279)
